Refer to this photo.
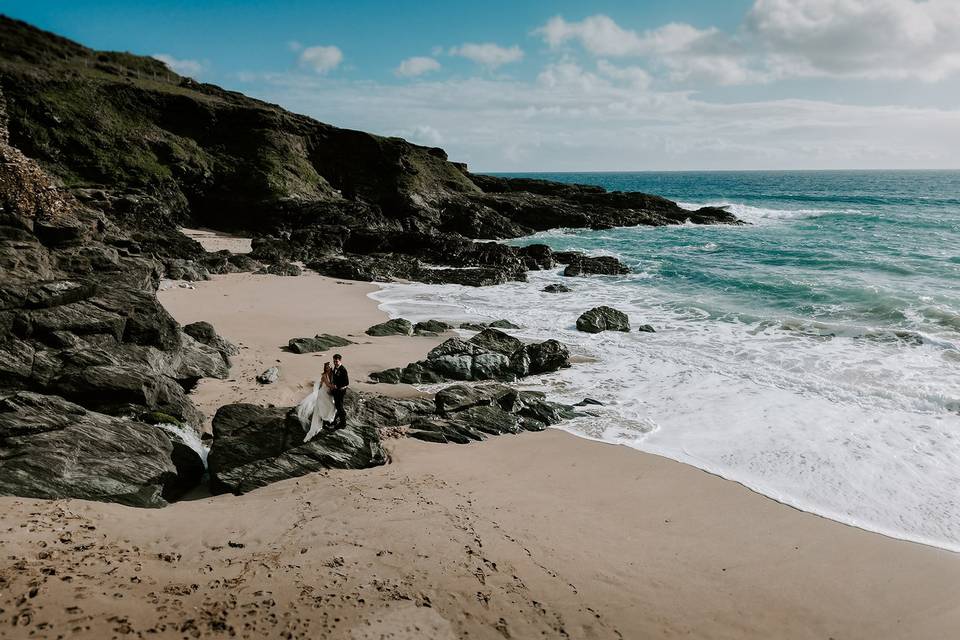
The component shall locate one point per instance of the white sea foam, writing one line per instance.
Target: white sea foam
(763, 215)
(189, 437)
(864, 431)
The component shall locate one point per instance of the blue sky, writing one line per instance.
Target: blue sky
(686, 84)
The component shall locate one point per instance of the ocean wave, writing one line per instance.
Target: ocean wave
(857, 424)
(765, 215)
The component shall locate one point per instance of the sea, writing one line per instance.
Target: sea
(812, 355)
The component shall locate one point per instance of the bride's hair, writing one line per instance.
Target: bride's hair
(326, 367)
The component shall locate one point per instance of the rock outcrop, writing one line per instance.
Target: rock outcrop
(490, 355)
(466, 413)
(394, 327)
(52, 448)
(319, 342)
(255, 446)
(603, 318)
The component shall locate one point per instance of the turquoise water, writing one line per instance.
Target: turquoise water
(852, 250)
(813, 355)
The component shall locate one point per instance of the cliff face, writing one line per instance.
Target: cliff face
(215, 157)
(190, 152)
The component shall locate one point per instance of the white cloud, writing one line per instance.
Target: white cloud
(321, 59)
(191, 68)
(574, 118)
(488, 54)
(898, 39)
(860, 38)
(682, 50)
(416, 66)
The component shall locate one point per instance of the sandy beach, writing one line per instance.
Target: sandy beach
(537, 535)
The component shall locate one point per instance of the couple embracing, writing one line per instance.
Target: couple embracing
(325, 404)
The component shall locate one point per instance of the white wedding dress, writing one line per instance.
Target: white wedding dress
(316, 409)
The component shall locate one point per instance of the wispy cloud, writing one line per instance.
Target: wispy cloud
(488, 54)
(321, 59)
(416, 66)
(185, 67)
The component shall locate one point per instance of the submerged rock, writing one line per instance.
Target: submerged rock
(603, 319)
(595, 265)
(557, 288)
(646, 328)
(394, 327)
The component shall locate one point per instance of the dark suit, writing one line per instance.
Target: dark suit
(340, 380)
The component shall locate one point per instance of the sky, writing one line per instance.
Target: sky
(572, 86)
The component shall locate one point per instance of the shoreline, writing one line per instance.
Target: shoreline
(517, 536)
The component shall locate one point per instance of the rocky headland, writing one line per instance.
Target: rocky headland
(104, 156)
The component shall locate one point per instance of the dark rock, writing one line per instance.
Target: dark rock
(473, 326)
(269, 376)
(458, 397)
(188, 463)
(604, 265)
(646, 328)
(427, 436)
(603, 319)
(587, 402)
(503, 324)
(394, 327)
(204, 332)
(557, 288)
(255, 446)
(320, 342)
(179, 269)
(431, 327)
(280, 269)
(547, 356)
(537, 257)
(55, 449)
(496, 341)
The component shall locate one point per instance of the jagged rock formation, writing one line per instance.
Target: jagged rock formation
(489, 355)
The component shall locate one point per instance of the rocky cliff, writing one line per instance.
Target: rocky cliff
(151, 150)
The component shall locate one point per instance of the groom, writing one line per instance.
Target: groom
(340, 380)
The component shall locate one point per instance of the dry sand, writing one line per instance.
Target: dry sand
(531, 536)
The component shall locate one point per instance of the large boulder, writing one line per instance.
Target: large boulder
(394, 327)
(490, 355)
(496, 341)
(255, 446)
(53, 449)
(547, 357)
(319, 342)
(603, 319)
(431, 327)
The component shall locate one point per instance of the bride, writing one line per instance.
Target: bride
(317, 408)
